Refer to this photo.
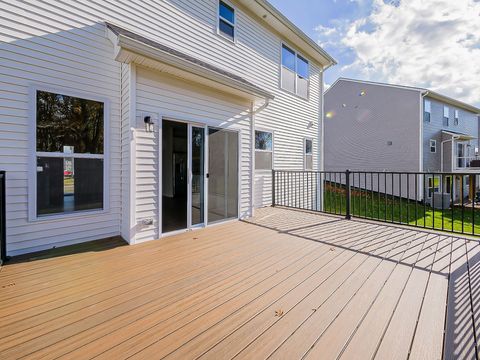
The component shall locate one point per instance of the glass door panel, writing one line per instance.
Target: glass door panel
(198, 175)
(174, 176)
(223, 174)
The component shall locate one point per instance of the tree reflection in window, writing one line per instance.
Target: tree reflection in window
(69, 121)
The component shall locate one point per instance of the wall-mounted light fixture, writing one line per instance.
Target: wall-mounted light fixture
(148, 123)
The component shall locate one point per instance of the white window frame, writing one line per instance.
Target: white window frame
(33, 154)
(447, 109)
(234, 40)
(433, 186)
(296, 71)
(429, 109)
(456, 117)
(268, 151)
(305, 153)
(433, 144)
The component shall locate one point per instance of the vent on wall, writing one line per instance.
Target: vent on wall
(389, 143)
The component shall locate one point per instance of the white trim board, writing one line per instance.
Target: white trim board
(32, 163)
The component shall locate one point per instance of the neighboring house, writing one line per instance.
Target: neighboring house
(141, 119)
(381, 127)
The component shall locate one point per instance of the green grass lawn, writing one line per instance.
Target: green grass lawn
(375, 206)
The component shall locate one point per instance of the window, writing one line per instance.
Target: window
(308, 161)
(295, 72)
(433, 185)
(433, 146)
(263, 150)
(226, 20)
(446, 116)
(448, 185)
(455, 120)
(427, 111)
(69, 154)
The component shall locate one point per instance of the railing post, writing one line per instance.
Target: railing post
(273, 188)
(348, 215)
(3, 240)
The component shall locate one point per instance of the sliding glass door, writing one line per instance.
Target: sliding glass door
(223, 174)
(197, 175)
(184, 175)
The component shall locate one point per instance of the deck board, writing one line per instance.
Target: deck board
(285, 284)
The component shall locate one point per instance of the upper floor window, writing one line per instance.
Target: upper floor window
(433, 146)
(69, 154)
(455, 120)
(263, 150)
(295, 72)
(226, 20)
(446, 116)
(427, 111)
(308, 161)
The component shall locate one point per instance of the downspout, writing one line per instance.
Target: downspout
(253, 112)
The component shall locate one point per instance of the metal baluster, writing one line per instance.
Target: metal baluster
(408, 199)
(425, 201)
(433, 202)
(416, 199)
(443, 205)
(400, 195)
(378, 195)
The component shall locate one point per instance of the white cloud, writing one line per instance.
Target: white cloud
(429, 43)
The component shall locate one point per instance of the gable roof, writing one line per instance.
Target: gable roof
(204, 67)
(425, 92)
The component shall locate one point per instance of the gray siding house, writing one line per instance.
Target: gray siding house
(382, 127)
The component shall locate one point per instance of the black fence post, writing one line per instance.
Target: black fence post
(273, 188)
(3, 234)
(348, 215)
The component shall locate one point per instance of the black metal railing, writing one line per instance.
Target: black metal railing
(432, 200)
(3, 239)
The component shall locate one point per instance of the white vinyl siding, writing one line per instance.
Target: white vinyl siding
(42, 49)
(63, 45)
(163, 96)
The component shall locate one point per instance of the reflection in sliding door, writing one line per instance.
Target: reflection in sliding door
(223, 174)
(198, 174)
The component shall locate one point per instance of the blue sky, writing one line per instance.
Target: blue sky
(309, 14)
(426, 43)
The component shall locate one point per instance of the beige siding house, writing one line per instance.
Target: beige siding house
(143, 119)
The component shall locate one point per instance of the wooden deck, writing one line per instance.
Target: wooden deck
(285, 285)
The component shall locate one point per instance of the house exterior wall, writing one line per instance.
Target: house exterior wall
(467, 124)
(166, 97)
(359, 129)
(62, 45)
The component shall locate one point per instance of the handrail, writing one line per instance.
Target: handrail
(446, 201)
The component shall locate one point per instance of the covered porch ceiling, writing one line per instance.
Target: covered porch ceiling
(447, 135)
